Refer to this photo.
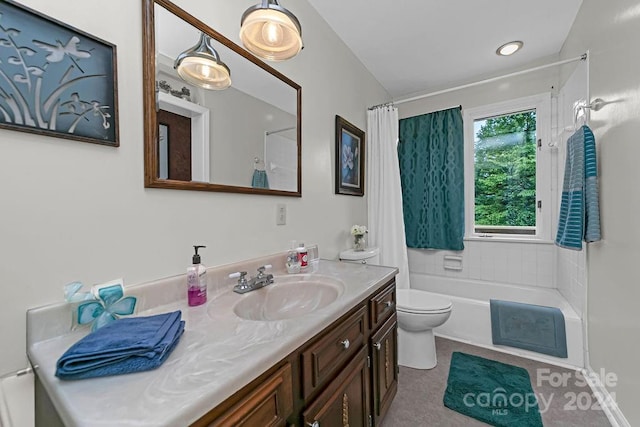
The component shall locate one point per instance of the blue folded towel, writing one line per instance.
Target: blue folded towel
(128, 345)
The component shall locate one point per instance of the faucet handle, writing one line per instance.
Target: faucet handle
(241, 274)
(243, 285)
(262, 269)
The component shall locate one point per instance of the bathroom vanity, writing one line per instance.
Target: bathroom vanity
(333, 365)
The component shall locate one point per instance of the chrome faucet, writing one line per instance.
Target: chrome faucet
(261, 280)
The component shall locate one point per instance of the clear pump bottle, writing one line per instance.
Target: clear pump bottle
(196, 280)
(293, 263)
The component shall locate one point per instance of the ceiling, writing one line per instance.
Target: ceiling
(422, 45)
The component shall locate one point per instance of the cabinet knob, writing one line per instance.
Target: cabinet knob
(345, 343)
(378, 346)
(388, 304)
(314, 424)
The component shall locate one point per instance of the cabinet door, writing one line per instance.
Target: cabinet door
(384, 356)
(345, 402)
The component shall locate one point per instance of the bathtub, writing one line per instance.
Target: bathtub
(470, 319)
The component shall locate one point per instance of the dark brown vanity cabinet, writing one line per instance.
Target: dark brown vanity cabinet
(346, 376)
(362, 392)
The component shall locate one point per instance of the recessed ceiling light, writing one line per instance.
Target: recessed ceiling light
(509, 48)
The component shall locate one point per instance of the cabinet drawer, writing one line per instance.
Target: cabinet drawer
(382, 305)
(328, 354)
(268, 404)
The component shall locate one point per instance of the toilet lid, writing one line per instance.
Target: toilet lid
(352, 255)
(416, 301)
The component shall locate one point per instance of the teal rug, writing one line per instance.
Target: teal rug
(492, 392)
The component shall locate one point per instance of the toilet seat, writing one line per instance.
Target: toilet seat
(421, 302)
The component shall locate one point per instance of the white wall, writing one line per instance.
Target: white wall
(611, 32)
(78, 211)
(530, 264)
(236, 139)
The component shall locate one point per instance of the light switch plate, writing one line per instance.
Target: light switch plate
(281, 214)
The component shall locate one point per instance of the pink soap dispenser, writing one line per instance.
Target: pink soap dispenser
(196, 280)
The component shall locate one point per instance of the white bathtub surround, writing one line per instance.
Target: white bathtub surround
(384, 204)
(470, 319)
(570, 265)
(514, 262)
(571, 277)
(218, 354)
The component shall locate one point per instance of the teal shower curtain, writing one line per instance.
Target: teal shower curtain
(431, 156)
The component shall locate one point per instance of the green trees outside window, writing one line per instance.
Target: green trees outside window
(505, 173)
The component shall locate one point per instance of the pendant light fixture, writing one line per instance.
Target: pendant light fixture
(201, 66)
(270, 31)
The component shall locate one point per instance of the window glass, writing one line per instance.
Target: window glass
(505, 173)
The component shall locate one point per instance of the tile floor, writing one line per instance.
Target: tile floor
(420, 392)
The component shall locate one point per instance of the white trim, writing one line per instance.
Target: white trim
(199, 132)
(605, 399)
(544, 185)
(507, 239)
(585, 308)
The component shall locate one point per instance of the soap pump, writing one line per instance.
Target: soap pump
(196, 280)
(293, 263)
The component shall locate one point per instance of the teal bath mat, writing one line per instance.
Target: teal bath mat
(493, 392)
(528, 326)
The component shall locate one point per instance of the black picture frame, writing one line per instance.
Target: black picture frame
(350, 158)
(56, 80)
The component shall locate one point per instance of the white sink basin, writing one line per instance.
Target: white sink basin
(289, 297)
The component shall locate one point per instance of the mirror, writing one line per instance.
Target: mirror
(244, 139)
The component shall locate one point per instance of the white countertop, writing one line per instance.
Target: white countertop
(218, 354)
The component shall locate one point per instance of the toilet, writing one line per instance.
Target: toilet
(418, 313)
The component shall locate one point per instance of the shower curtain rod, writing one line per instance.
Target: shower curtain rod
(279, 130)
(582, 57)
(386, 104)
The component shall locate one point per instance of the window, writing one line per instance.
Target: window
(507, 169)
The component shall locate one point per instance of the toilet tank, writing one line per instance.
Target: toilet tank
(16, 399)
(368, 256)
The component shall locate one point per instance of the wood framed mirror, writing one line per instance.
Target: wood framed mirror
(244, 139)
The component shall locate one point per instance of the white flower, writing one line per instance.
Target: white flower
(347, 157)
(359, 230)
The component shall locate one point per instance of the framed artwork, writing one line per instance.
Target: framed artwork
(349, 158)
(56, 80)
